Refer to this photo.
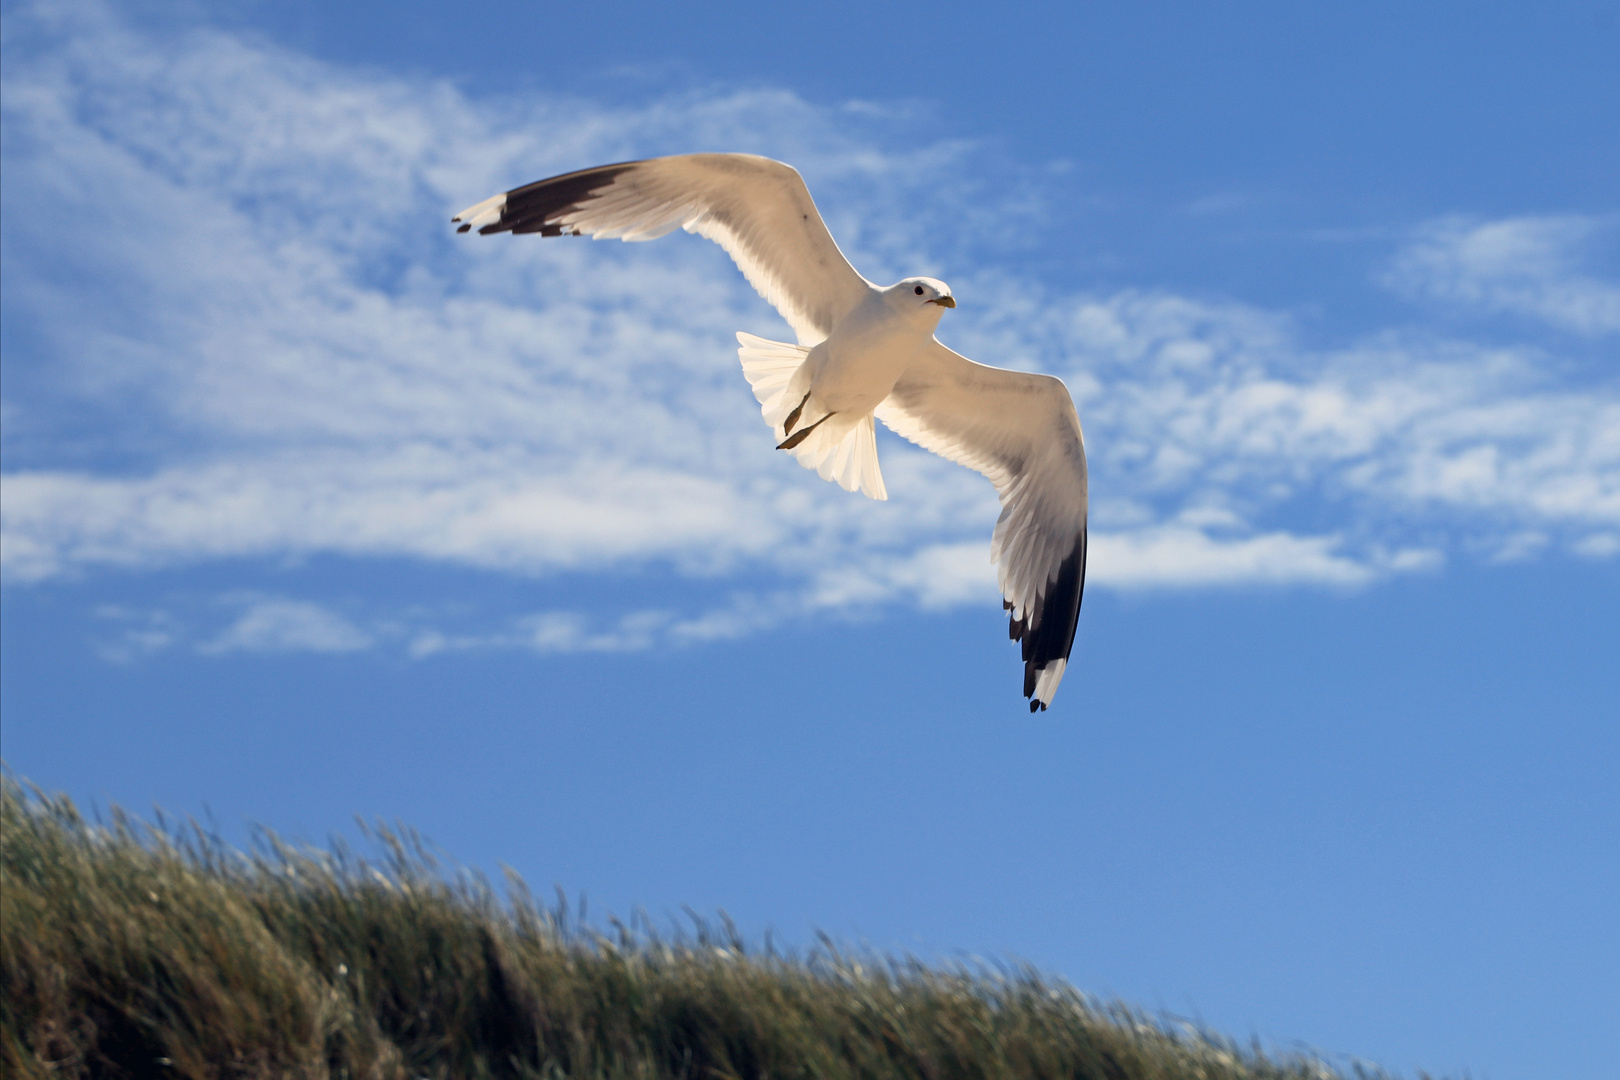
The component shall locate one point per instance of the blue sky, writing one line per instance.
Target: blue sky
(313, 509)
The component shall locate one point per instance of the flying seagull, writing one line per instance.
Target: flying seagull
(864, 351)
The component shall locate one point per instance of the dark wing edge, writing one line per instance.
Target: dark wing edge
(534, 207)
(1047, 631)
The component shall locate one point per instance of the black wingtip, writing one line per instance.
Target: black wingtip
(1036, 706)
(1047, 627)
(535, 208)
(464, 228)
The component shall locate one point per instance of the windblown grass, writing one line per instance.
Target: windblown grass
(132, 950)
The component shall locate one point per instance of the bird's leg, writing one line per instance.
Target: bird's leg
(787, 425)
(799, 436)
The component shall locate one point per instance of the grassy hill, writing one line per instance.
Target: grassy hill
(132, 950)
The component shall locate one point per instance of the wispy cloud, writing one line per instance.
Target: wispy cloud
(1530, 266)
(136, 633)
(253, 334)
(252, 622)
(276, 624)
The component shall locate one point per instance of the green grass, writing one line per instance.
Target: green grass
(134, 950)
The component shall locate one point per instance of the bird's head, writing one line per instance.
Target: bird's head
(923, 294)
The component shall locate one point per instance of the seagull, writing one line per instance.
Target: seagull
(864, 351)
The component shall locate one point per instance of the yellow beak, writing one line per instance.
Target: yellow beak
(944, 301)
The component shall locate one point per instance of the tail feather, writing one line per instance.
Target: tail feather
(838, 451)
(769, 366)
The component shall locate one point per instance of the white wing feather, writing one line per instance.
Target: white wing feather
(757, 209)
(1021, 431)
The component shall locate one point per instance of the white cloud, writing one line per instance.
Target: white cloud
(1598, 545)
(277, 624)
(1179, 556)
(1524, 266)
(1197, 407)
(261, 623)
(577, 632)
(240, 266)
(138, 633)
(500, 511)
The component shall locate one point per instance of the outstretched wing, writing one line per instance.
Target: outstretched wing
(757, 209)
(1021, 431)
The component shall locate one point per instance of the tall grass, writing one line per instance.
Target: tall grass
(136, 950)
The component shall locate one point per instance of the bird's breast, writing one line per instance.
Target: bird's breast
(862, 359)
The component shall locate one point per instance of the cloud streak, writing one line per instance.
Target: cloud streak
(1527, 266)
(251, 333)
(275, 624)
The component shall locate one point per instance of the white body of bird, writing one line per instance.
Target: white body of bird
(873, 345)
(835, 391)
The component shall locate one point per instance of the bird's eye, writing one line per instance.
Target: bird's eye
(919, 290)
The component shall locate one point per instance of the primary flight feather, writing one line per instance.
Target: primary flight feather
(864, 352)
